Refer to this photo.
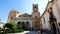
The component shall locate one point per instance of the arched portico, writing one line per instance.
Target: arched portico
(27, 25)
(19, 22)
(23, 25)
(19, 25)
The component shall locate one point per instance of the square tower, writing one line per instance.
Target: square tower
(13, 15)
(35, 17)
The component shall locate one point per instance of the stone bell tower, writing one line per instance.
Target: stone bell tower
(35, 17)
(13, 15)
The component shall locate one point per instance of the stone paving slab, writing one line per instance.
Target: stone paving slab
(29, 32)
(19, 33)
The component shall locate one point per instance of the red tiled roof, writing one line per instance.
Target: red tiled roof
(25, 15)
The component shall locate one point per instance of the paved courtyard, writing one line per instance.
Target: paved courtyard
(32, 32)
(35, 32)
(29, 32)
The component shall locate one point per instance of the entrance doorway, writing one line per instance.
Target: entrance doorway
(23, 25)
(19, 25)
(54, 28)
(27, 25)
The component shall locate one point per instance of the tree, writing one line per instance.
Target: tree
(11, 25)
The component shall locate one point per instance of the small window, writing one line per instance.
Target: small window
(36, 17)
(52, 0)
(35, 7)
(19, 15)
(36, 22)
(51, 8)
(59, 24)
(35, 11)
(11, 18)
(44, 19)
(36, 26)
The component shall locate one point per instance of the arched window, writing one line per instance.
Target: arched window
(36, 26)
(34, 6)
(23, 23)
(27, 23)
(35, 11)
(19, 25)
(19, 15)
(11, 17)
(35, 17)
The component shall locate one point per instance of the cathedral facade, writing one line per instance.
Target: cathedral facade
(29, 22)
(49, 20)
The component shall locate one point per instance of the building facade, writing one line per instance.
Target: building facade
(1, 25)
(28, 21)
(50, 19)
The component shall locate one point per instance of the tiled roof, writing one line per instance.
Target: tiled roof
(25, 15)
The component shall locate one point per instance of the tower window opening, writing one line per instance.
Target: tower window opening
(36, 26)
(35, 7)
(35, 11)
(11, 17)
(59, 24)
(36, 17)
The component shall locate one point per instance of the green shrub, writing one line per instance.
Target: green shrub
(21, 30)
(13, 31)
(11, 27)
(8, 31)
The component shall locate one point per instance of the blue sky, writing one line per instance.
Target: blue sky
(22, 6)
